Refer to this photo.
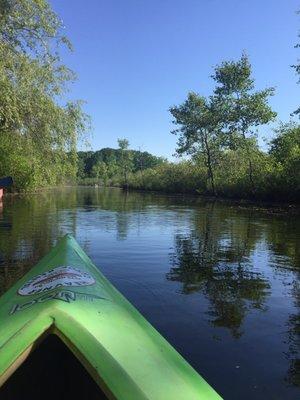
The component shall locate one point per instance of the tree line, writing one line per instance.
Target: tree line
(220, 134)
(113, 166)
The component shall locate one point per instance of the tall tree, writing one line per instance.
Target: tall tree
(199, 131)
(100, 170)
(285, 149)
(297, 69)
(241, 108)
(39, 128)
(125, 161)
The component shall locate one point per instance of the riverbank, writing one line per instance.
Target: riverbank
(272, 207)
(267, 205)
(231, 181)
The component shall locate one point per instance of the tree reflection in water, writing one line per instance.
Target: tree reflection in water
(232, 288)
(216, 263)
(293, 333)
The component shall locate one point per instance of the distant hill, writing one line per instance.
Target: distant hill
(141, 160)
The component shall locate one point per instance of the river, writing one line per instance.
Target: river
(219, 281)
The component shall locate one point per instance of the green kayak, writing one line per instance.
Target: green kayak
(66, 295)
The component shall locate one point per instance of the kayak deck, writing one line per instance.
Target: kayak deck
(66, 294)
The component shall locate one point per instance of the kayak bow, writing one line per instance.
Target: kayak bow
(67, 295)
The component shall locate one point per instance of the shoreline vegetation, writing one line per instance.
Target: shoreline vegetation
(267, 205)
(219, 134)
(275, 175)
(40, 126)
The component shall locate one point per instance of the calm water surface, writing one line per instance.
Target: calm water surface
(220, 282)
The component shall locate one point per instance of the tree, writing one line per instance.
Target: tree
(143, 160)
(199, 131)
(112, 158)
(100, 170)
(39, 128)
(285, 148)
(297, 69)
(125, 161)
(241, 109)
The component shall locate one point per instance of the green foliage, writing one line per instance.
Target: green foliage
(38, 130)
(100, 170)
(297, 69)
(199, 131)
(285, 149)
(125, 160)
(123, 144)
(240, 108)
(140, 161)
(184, 177)
(224, 121)
(276, 173)
(220, 134)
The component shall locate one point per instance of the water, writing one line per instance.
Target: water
(219, 281)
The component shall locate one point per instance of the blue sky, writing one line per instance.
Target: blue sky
(136, 58)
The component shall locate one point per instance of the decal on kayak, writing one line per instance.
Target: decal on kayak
(54, 278)
(67, 296)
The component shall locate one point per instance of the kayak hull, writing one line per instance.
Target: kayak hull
(67, 295)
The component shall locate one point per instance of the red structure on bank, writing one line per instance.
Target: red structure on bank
(4, 183)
